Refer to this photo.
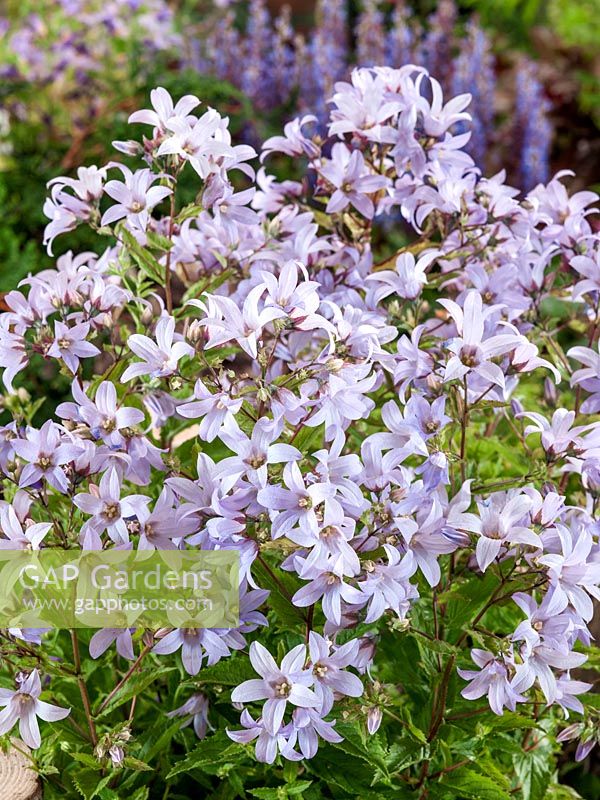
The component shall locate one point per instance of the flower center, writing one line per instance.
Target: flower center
(256, 461)
(283, 689)
(469, 356)
(44, 462)
(111, 510)
(320, 670)
(25, 700)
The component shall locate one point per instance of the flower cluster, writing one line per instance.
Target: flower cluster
(340, 399)
(282, 64)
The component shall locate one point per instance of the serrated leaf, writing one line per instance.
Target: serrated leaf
(470, 785)
(158, 241)
(534, 770)
(436, 646)
(556, 792)
(268, 793)
(509, 721)
(229, 672)
(136, 764)
(355, 743)
(88, 760)
(213, 752)
(88, 785)
(296, 788)
(136, 685)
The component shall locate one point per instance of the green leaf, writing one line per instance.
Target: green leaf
(188, 212)
(556, 792)
(87, 784)
(88, 760)
(357, 744)
(470, 785)
(135, 686)
(534, 771)
(141, 794)
(509, 721)
(160, 743)
(282, 585)
(136, 764)
(158, 241)
(436, 645)
(229, 672)
(145, 260)
(297, 788)
(267, 793)
(213, 752)
(355, 777)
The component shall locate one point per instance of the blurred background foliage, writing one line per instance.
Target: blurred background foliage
(71, 71)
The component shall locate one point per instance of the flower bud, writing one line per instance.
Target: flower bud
(374, 717)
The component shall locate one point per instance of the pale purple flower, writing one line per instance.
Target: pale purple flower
(164, 110)
(297, 503)
(24, 706)
(558, 435)
(160, 357)
(214, 408)
(492, 680)
(472, 350)
(195, 644)
(574, 573)
(267, 743)
(293, 142)
(255, 453)
(437, 117)
(504, 521)
(65, 213)
(588, 377)
(278, 685)
(135, 196)
(309, 726)
(538, 662)
(330, 588)
(108, 511)
(407, 280)
(329, 667)
(70, 344)
(374, 719)
(195, 141)
(46, 452)
(386, 585)
(160, 528)
(104, 638)
(13, 356)
(566, 692)
(352, 181)
(18, 537)
(413, 365)
(196, 709)
(225, 321)
(104, 416)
